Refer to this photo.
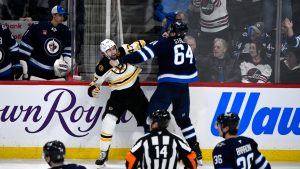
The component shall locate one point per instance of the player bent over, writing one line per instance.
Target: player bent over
(126, 93)
(236, 151)
(54, 154)
(160, 149)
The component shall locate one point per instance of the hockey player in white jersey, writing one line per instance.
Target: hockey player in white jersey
(126, 93)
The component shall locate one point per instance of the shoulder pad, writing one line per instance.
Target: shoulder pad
(103, 66)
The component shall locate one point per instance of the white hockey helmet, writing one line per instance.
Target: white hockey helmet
(105, 45)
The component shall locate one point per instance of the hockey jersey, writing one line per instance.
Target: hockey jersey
(255, 73)
(239, 152)
(42, 44)
(175, 60)
(120, 77)
(162, 150)
(214, 15)
(8, 52)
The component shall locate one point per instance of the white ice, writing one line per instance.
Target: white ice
(89, 164)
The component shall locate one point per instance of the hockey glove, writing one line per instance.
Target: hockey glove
(61, 68)
(93, 91)
(17, 70)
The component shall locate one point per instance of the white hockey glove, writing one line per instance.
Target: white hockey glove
(61, 68)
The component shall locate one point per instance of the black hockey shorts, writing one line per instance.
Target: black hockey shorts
(132, 99)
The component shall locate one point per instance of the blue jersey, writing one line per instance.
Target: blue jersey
(8, 51)
(237, 153)
(69, 166)
(175, 60)
(42, 44)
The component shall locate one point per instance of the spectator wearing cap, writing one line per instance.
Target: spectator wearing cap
(46, 48)
(252, 33)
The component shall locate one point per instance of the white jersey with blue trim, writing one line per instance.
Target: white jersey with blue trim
(175, 60)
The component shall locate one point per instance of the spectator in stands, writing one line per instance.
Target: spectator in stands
(252, 33)
(214, 21)
(169, 11)
(170, 18)
(10, 67)
(42, 46)
(292, 39)
(296, 15)
(220, 67)
(54, 154)
(290, 67)
(256, 69)
(269, 8)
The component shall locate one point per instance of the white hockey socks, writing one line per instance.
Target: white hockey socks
(108, 127)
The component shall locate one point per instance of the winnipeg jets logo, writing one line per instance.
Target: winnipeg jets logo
(52, 46)
(2, 55)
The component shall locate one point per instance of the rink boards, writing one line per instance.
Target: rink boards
(33, 114)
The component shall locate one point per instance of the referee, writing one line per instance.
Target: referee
(160, 149)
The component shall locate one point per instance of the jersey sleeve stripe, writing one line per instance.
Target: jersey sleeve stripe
(258, 160)
(149, 51)
(14, 47)
(264, 165)
(25, 52)
(26, 45)
(143, 55)
(136, 146)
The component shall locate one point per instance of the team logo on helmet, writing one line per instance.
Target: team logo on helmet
(52, 46)
(2, 55)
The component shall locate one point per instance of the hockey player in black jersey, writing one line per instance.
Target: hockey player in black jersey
(54, 154)
(10, 67)
(160, 149)
(46, 48)
(177, 69)
(236, 152)
(126, 93)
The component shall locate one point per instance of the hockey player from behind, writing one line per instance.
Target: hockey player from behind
(236, 151)
(46, 48)
(177, 69)
(54, 154)
(10, 67)
(160, 149)
(126, 93)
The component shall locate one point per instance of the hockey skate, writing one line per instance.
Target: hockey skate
(102, 159)
(198, 152)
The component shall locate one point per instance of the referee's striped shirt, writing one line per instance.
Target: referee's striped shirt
(160, 150)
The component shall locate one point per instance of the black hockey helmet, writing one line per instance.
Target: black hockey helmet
(229, 119)
(162, 117)
(179, 28)
(55, 150)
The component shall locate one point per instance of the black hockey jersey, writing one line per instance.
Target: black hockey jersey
(239, 152)
(69, 166)
(8, 51)
(175, 60)
(42, 44)
(162, 150)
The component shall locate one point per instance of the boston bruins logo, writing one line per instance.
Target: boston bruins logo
(121, 68)
(52, 46)
(2, 55)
